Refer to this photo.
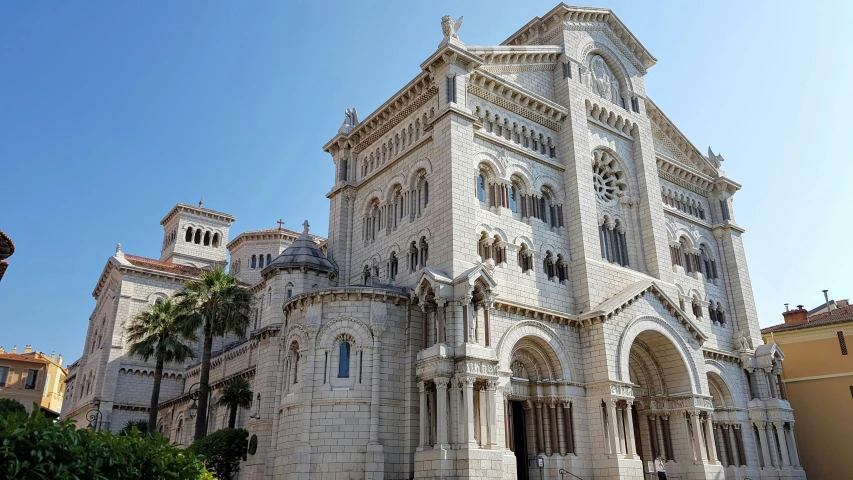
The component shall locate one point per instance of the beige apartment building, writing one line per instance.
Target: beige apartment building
(33, 378)
(818, 381)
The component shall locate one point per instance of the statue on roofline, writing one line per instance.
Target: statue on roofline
(449, 27)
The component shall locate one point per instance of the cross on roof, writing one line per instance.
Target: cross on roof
(280, 224)
(199, 204)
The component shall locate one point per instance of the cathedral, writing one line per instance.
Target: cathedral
(530, 272)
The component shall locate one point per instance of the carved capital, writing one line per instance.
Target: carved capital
(441, 382)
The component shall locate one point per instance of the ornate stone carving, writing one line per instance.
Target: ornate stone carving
(449, 27)
(350, 121)
(477, 368)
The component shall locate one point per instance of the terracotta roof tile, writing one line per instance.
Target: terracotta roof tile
(162, 266)
(839, 315)
(17, 357)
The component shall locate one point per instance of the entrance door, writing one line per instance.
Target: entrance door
(519, 439)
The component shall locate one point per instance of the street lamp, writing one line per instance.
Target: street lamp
(94, 416)
(194, 395)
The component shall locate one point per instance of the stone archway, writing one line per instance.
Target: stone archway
(538, 416)
(669, 417)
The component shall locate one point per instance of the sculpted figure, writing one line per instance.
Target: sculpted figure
(449, 27)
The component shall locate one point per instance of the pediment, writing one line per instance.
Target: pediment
(616, 304)
(547, 29)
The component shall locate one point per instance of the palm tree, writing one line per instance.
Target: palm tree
(160, 333)
(237, 394)
(219, 305)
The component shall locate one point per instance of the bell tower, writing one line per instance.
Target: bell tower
(195, 236)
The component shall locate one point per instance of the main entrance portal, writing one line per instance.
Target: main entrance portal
(519, 438)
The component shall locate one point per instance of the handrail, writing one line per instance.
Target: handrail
(563, 472)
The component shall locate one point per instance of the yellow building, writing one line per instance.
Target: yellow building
(32, 377)
(818, 377)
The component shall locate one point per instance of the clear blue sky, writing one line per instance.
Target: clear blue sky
(112, 112)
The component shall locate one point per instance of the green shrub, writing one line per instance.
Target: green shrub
(36, 447)
(8, 406)
(222, 451)
(140, 425)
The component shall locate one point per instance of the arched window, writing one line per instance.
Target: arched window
(180, 430)
(697, 309)
(481, 188)
(215, 240)
(294, 352)
(513, 198)
(189, 236)
(426, 193)
(549, 265)
(197, 238)
(424, 251)
(709, 263)
(413, 256)
(721, 315)
(269, 296)
(614, 246)
(343, 361)
(499, 250)
(392, 266)
(562, 268)
(289, 288)
(269, 259)
(206, 239)
(525, 258)
(254, 261)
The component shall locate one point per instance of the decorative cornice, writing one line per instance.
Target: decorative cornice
(201, 212)
(527, 104)
(721, 355)
(682, 177)
(537, 313)
(668, 129)
(375, 134)
(386, 295)
(420, 90)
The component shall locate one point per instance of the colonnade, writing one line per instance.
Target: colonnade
(458, 412)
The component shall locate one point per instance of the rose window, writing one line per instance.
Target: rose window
(608, 178)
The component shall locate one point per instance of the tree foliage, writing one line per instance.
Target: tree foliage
(236, 394)
(9, 406)
(37, 448)
(219, 305)
(160, 333)
(222, 451)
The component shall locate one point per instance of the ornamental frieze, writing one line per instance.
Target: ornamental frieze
(478, 368)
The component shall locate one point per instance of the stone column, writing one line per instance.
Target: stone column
(375, 456)
(796, 454)
(741, 450)
(554, 443)
(423, 416)
(709, 440)
(441, 411)
(667, 438)
(771, 444)
(725, 433)
(783, 443)
(425, 326)
(455, 421)
(488, 306)
(468, 409)
(697, 437)
(440, 320)
(762, 438)
(507, 426)
(615, 442)
(531, 420)
(484, 417)
(569, 424)
(629, 421)
(771, 384)
(493, 414)
(540, 429)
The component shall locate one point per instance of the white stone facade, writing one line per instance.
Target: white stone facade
(526, 259)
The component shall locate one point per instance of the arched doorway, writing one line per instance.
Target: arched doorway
(539, 417)
(728, 434)
(665, 417)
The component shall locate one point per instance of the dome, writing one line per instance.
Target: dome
(302, 253)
